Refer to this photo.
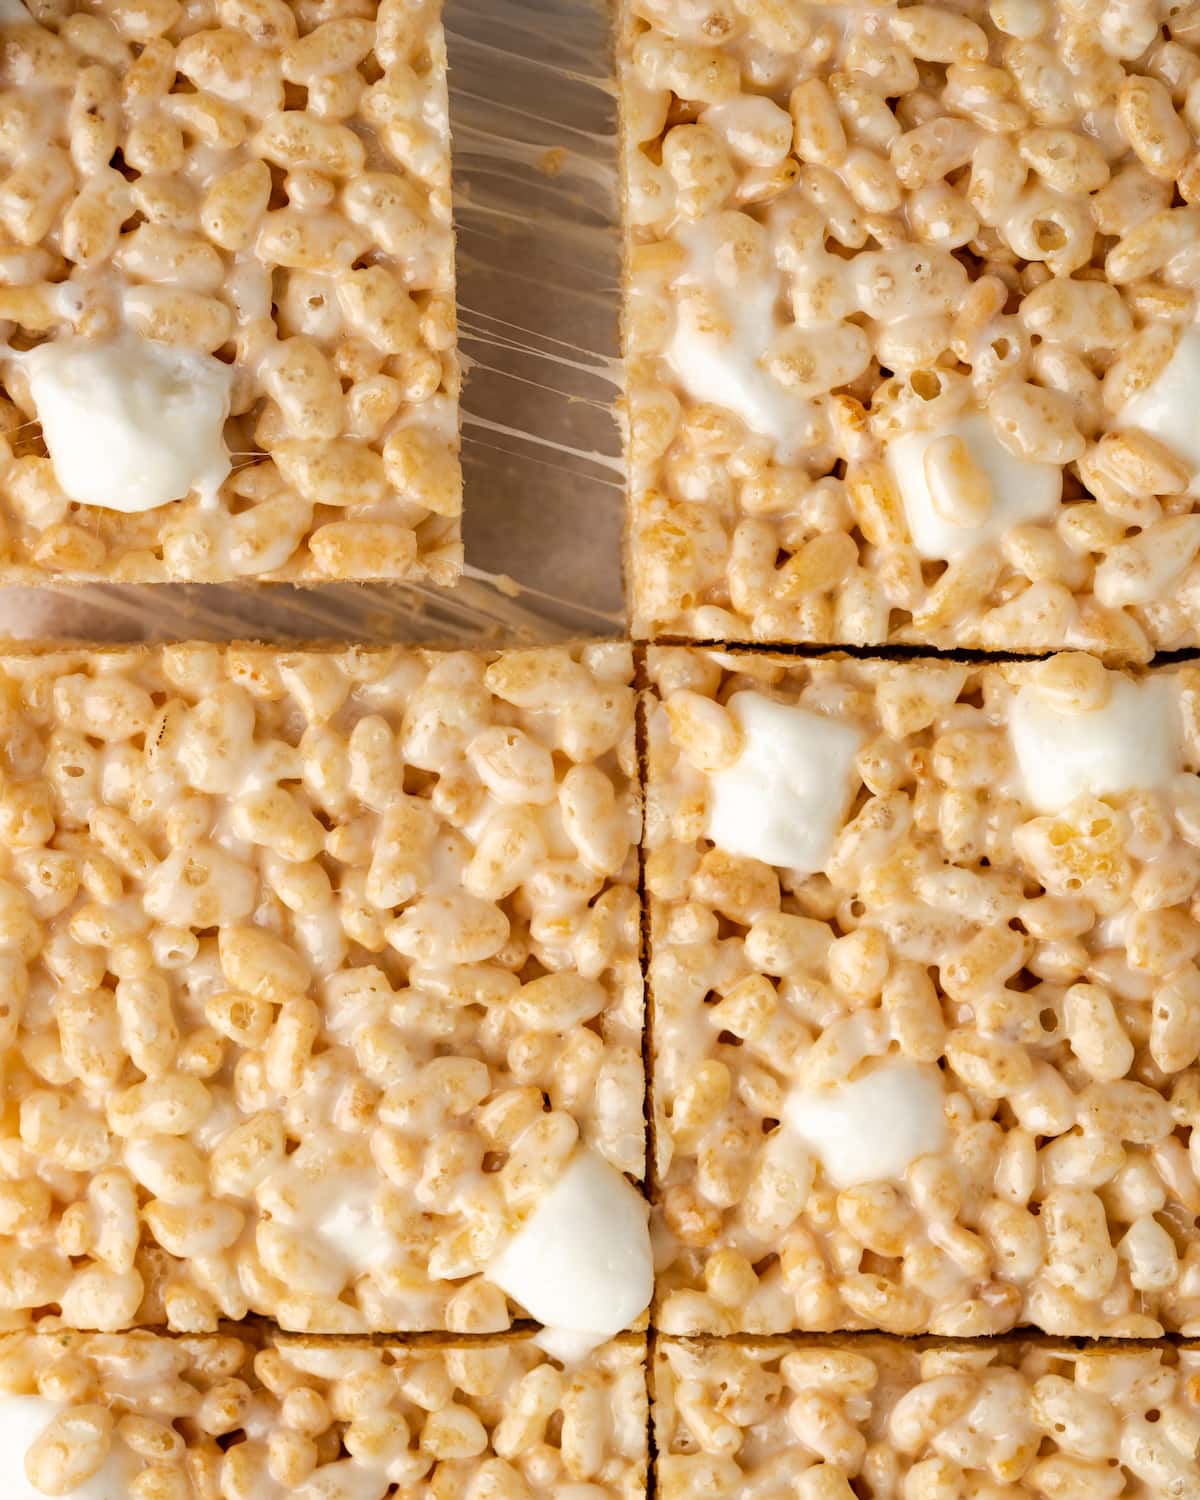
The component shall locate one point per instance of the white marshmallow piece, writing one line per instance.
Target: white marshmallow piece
(23, 1419)
(872, 1128)
(1167, 408)
(728, 371)
(1021, 491)
(1131, 743)
(348, 1226)
(323, 1191)
(131, 424)
(786, 797)
(581, 1263)
(13, 13)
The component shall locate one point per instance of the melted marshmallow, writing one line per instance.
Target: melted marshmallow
(1132, 742)
(785, 798)
(1166, 409)
(131, 424)
(23, 1419)
(346, 1222)
(581, 1263)
(755, 128)
(1021, 491)
(872, 1128)
(726, 370)
(348, 1478)
(328, 1190)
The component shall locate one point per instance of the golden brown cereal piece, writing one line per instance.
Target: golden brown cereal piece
(317, 970)
(266, 191)
(926, 1001)
(259, 1413)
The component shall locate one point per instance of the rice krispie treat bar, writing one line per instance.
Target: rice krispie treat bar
(925, 998)
(227, 327)
(911, 321)
(926, 1421)
(139, 1416)
(321, 990)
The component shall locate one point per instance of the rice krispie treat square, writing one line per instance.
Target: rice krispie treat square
(227, 326)
(321, 990)
(925, 998)
(911, 321)
(257, 1417)
(831, 1421)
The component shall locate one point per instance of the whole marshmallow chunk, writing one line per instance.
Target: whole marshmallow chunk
(581, 1263)
(131, 424)
(1131, 742)
(1021, 491)
(23, 1419)
(872, 1128)
(785, 798)
(1167, 408)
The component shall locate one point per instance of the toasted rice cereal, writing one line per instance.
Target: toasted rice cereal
(244, 197)
(258, 1416)
(910, 327)
(939, 1073)
(926, 1421)
(316, 968)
